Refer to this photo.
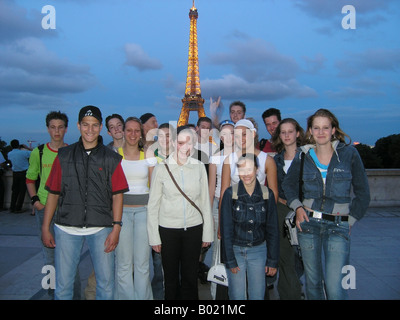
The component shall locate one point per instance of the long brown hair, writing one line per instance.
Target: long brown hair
(276, 141)
(339, 133)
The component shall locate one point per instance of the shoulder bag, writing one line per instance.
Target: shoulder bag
(290, 220)
(217, 272)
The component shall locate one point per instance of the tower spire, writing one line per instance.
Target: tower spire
(192, 100)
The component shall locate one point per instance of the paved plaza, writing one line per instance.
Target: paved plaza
(375, 255)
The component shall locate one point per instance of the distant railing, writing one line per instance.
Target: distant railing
(384, 188)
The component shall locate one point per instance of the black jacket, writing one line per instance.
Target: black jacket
(86, 190)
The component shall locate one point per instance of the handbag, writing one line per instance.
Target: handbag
(290, 228)
(290, 219)
(184, 194)
(217, 272)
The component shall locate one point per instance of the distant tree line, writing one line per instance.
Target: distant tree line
(385, 154)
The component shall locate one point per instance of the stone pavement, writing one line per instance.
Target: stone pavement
(375, 255)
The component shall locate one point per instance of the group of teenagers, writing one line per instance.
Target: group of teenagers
(162, 195)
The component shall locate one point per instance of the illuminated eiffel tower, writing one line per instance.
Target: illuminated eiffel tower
(193, 100)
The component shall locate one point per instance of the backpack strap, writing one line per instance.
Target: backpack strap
(265, 192)
(263, 142)
(235, 187)
(40, 148)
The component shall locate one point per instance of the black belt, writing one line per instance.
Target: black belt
(330, 217)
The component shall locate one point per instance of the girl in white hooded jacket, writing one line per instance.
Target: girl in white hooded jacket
(175, 227)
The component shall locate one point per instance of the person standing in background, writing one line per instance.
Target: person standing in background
(19, 157)
(214, 182)
(115, 129)
(3, 167)
(287, 138)
(40, 164)
(133, 252)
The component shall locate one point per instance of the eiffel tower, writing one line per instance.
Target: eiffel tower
(192, 100)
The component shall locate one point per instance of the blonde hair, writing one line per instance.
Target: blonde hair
(339, 133)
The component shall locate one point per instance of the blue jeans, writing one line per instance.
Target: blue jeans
(67, 256)
(251, 261)
(133, 256)
(157, 283)
(213, 285)
(333, 240)
(48, 255)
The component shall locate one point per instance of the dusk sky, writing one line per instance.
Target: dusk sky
(130, 57)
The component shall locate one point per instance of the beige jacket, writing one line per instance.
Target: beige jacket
(168, 208)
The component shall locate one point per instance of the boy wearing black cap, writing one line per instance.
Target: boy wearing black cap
(86, 185)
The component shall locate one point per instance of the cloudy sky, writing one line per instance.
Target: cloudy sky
(130, 57)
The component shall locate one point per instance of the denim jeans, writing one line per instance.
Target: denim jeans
(48, 255)
(333, 240)
(133, 255)
(67, 256)
(157, 283)
(251, 261)
(213, 285)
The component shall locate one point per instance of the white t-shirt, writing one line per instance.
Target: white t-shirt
(218, 160)
(261, 175)
(287, 165)
(137, 174)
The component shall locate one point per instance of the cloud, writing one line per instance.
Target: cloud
(377, 59)
(328, 9)
(234, 87)
(353, 92)
(17, 23)
(259, 72)
(30, 74)
(313, 65)
(138, 58)
(256, 59)
(29, 70)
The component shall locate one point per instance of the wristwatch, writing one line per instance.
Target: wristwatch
(117, 222)
(34, 199)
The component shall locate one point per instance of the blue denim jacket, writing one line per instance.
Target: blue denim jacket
(346, 190)
(249, 221)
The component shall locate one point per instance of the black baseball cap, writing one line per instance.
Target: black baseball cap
(91, 111)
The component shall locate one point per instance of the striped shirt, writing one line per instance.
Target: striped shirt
(321, 167)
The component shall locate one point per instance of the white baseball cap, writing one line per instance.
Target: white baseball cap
(245, 123)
